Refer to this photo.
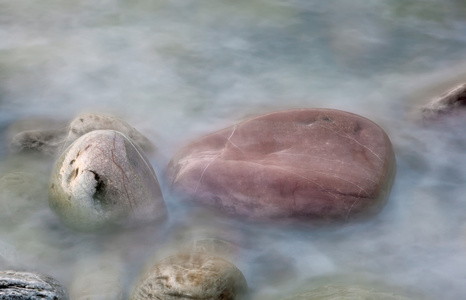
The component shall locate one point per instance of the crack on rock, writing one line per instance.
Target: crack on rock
(99, 193)
(181, 295)
(124, 176)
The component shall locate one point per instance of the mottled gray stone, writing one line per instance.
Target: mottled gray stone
(50, 138)
(333, 292)
(453, 102)
(194, 275)
(89, 122)
(314, 164)
(104, 178)
(30, 286)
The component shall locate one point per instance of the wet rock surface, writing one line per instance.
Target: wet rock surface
(104, 178)
(332, 292)
(50, 137)
(194, 275)
(22, 285)
(317, 164)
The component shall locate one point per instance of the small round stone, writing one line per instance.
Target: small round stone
(194, 275)
(315, 164)
(23, 285)
(104, 178)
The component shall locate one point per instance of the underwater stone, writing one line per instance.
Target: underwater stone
(37, 134)
(23, 285)
(194, 275)
(332, 292)
(104, 178)
(316, 164)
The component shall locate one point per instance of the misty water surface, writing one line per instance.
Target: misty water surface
(176, 70)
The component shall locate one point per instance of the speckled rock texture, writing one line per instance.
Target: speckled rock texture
(451, 103)
(316, 164)
(104, 178)
(30, 286)
(49, 138)
(195, 275)
(334, 292)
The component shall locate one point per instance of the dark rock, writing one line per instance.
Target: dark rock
(21, 286)
(194, 275)
(450, 103)
(104, 178)
(312, 163)
(331, 292)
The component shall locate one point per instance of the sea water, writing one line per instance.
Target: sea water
(176, 70)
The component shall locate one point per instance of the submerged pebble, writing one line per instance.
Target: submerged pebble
(331, 292)
(104, 178)
(23, 285)
(98, 278)
(317, 164)
(194, 275)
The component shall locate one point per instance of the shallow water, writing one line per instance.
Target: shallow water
(178, 69)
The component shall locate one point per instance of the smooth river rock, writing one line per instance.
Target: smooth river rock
(194, 275)
(23, 285)
(104, 178)
(317, 164)
(333, 292)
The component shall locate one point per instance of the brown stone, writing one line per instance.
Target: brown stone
(194, 275)
(311, 163)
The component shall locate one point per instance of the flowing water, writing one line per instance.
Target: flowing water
(178, 69)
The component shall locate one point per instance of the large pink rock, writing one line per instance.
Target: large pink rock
(311, 163)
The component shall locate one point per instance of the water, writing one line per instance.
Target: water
(178, 69)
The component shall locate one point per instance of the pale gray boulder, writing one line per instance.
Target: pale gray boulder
(104, 178)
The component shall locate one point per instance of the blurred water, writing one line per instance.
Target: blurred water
(178, 69)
